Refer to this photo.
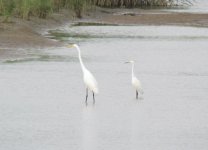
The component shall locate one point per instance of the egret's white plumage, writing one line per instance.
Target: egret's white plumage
(135, 82)
(89, 79)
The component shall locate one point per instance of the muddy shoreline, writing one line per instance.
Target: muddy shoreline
(21, 34)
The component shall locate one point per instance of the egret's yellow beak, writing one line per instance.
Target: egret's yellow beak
(70, 46)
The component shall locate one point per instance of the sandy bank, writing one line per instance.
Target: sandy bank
(26, 34)
(158, 18)
(20, 33)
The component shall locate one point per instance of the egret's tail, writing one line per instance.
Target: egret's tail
(95, 90)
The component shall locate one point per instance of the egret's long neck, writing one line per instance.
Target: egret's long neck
(80, 59)
(132, 70)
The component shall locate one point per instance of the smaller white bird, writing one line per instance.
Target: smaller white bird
(89, 79)
(134, 81)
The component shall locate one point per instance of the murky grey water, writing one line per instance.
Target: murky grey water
(42, 95)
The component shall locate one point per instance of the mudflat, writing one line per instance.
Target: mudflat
(20, 33)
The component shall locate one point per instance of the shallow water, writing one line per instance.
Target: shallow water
(42, 95)
(196, 6)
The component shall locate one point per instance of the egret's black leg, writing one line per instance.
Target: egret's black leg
(86, 95)
(136, 94)
(93, 97)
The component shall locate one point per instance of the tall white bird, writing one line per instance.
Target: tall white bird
(135, 82)
(89, 79)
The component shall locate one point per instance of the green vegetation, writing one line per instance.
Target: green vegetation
(42, 8)
(25, 8)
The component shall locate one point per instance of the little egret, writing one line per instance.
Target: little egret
(89, 79)
(135, 82)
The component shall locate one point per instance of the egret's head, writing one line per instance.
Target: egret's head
(72, 45)
(131, 61)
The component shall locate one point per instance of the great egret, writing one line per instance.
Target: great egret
(135, 82)
(89, 79)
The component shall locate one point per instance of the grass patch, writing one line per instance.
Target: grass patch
(42, 8)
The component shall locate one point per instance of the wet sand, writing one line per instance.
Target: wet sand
(26, 34)
(181, 19)
(18, 33)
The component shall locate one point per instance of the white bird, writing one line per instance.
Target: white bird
(135, 82)
(89, 79)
